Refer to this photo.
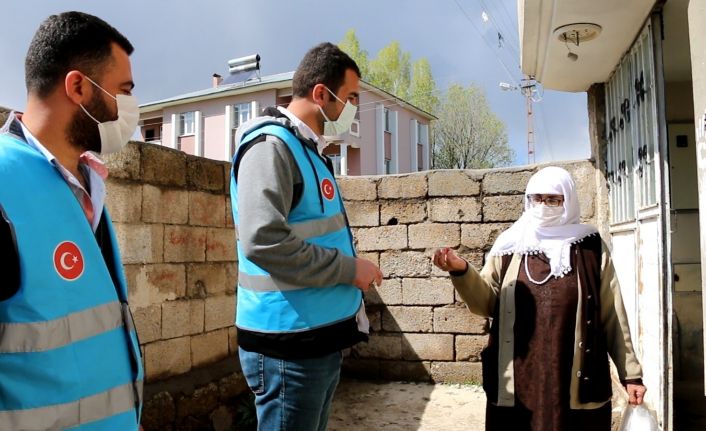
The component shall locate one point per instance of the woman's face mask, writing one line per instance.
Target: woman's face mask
(544, 216)
(115, 134)
(344, 121)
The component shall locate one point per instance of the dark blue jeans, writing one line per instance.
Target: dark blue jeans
(291, 395)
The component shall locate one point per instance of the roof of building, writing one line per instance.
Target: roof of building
(277, 81)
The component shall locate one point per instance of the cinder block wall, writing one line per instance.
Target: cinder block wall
(420, 329)
(173, 221)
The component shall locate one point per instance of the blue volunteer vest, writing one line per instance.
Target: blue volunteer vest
(69, 355)
(268, 305)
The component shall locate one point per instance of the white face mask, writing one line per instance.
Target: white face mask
(344, 121)
(544, 216)
(115, 134)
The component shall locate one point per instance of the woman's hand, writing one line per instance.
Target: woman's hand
(635, 393)
(447, 260)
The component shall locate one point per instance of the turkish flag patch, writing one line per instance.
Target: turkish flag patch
(68, 261)
(327, 189)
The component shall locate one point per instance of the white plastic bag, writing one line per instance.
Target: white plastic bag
(637, 418)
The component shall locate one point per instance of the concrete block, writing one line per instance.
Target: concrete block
(405, 264)
(161, 165)
(220, 312)
(427, 291)
(468, 347)
(381, 238)
(363, 213)
(403, 211)
(167, 358)
(358, 188)
(148, 322)
(124, 201)
(454, 183)
(184, 244)
(207, 209)
(389, 293)
(205, 279)
(381, 347)
(454, 210)
(506, 183)
(432, 235)
(125, 164)
(154, 284)
(162, 205)
(205, 174)
(220, 245)
(459, 320)
(183, 317)
(428, 347)
(406, 371)
(481, 235)
(502, 208)
(403, 186)
(139, 243)
(457, 372)
(209, 347)
(407, 319)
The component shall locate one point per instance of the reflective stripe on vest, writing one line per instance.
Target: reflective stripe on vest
(67, 339)
(268, 305)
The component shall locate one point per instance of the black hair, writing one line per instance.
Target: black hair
(69, 41)
(323, 64)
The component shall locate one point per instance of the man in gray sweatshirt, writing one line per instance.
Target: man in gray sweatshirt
(300, 284)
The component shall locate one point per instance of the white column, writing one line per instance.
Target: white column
(380, 139)
(413, 140)
(424, 140)
(198, 134)
(394, 129)
(228, 119)
(254, 109)
(344, 159)
(175, 131)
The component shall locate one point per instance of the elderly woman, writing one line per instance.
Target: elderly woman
(551, 290)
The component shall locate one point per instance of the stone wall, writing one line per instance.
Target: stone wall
(174, 226)
(173, 221)
(420, 329)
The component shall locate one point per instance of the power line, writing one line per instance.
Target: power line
(502, 63)
(500, 29)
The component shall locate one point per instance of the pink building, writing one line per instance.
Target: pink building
(388, 136)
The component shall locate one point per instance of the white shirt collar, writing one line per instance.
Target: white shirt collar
(305, 130)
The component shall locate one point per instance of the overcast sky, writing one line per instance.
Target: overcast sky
(179, 44)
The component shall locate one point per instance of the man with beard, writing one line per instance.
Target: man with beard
(69, 355)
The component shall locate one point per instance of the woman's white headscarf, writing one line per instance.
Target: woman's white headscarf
(525, 236)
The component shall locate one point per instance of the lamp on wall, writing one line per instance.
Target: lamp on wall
(576, 34)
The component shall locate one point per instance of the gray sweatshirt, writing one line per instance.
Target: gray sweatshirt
(267, 177)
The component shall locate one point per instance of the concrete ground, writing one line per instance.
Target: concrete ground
(395, 406)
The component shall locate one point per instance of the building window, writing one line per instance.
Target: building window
(387, 120)
(241, 114)
(388, 166)
(336, 161)
(149, 135)
(186, 123)
(355, 128)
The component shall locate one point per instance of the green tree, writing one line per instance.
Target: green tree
(422, 88)
(468, 135)
(351, 46)
(391, 70)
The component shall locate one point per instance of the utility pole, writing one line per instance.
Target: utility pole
(527, 88)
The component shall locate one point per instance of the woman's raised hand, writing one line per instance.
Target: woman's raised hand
(447, 260)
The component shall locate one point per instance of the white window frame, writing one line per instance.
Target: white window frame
(185, 122)
(238, 110)
(355, 133)
(336, 161)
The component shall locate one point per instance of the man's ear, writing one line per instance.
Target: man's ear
(318, 94)
(76, 87)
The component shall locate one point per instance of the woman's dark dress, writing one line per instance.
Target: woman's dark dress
(545, 322)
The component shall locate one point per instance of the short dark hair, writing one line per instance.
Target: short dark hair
(323, 64)
(69, 41)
